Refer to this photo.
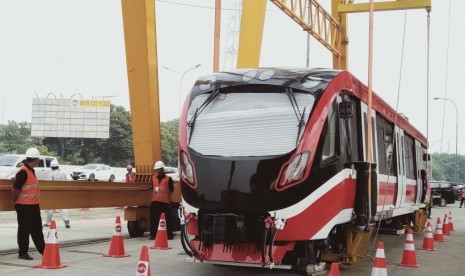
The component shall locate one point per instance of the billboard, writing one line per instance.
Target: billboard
(70, 118)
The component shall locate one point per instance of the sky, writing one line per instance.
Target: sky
(71, 47)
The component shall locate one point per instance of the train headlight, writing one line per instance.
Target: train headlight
(187, 170)
(296, 169)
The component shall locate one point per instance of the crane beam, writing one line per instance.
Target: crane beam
(82, 194)
(385, 6)
(314, 19)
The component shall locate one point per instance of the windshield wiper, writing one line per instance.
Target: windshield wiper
(208, 100)
(295, 106)
(301, 124)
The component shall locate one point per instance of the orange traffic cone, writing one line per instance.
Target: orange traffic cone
(161, 241)
(51, 256)
(428, 241)
(409, 258)
(445, 226)
(451, 223)
(438, 235)
(143, 267)
(334, 270)
(379, 265)
(117, 244)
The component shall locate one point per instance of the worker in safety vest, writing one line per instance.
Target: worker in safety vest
(25, 195)
(162, 186)
(57, 175)
(130, 175)
(463, 198)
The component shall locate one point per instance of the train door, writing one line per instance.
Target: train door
(387, 176)
(410, 170)
(374, 156)
(420, 165)
(401, 179)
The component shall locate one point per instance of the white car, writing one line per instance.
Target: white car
(10, 164)
(93, 172)
(172, 172)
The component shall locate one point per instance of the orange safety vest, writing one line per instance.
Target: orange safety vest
(30, 192)
(131, 177)
(161, 190)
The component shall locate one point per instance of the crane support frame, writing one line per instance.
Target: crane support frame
(251, 34)
(322, 26)
(142, 66)
(329, 29)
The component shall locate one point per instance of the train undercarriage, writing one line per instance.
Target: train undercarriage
(239, 240)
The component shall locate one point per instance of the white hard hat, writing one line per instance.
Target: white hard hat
(159, 165)
(54, 163)
(32, 153)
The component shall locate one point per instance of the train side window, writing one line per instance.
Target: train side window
(330, 136)
(385, 145)
(409, 157)
(349, 130)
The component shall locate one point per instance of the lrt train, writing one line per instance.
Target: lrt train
(274, 172)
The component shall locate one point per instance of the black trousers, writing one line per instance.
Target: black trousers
(156, 208)
(29, 223)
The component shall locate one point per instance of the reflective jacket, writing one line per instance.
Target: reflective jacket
(161, 190)
(131, 177)
(30, 192)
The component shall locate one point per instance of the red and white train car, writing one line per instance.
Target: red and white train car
(273, 166)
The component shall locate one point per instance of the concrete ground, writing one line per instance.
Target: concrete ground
(82, 247)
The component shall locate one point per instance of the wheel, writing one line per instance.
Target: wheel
(92, 177)
(443, 202)
(75, 178)
(137, 228)
(398, 223)
(112, 178)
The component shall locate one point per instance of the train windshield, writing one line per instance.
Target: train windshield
(248, 124)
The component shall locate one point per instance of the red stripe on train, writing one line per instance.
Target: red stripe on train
(311, 220)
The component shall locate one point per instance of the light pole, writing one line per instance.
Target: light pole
(456, 130)
(180, 81)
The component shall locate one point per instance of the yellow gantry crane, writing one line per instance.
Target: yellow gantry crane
(330, 29)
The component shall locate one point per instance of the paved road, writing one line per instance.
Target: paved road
(98, 224)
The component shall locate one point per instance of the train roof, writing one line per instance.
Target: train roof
(311, 80)
(304, 79)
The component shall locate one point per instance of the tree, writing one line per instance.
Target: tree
(443, 167)
(169, 142)
(16, 138)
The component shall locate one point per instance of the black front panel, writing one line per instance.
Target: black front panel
(245, 184)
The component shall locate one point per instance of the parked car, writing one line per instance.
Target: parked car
(442, 193)
(458, 190)
(93, 172)
(10, 164)
(172, 172)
